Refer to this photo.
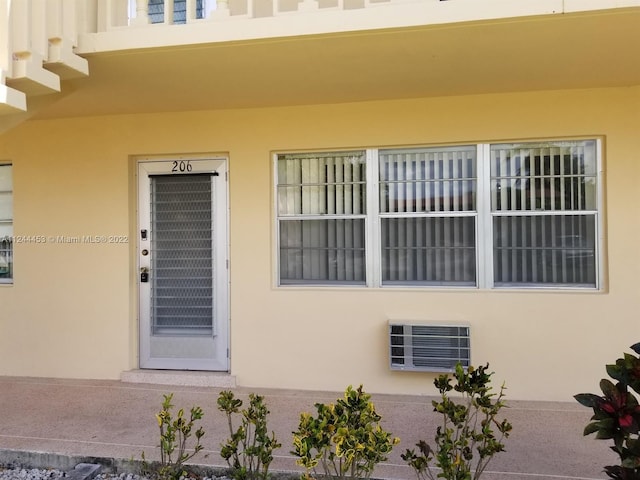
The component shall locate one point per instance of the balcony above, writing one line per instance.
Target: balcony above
(130, 24)
(260, 53)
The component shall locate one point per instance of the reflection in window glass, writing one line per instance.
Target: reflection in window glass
(428, 211)
(544, 206)
(328, 244)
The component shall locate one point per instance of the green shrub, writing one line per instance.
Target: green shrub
(344, 440)
(174, 436)
(616, 414)
(465, 442)
(249, 450)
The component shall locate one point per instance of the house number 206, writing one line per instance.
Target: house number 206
(181, 166)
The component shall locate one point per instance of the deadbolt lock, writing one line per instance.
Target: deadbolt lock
(144, 275)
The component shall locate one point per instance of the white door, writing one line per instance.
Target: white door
(182, 264)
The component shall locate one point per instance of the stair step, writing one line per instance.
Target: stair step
(11, 100)
(182, 378)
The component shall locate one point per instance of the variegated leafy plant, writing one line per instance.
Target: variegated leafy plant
(616, 414)
(472, 429)
(249, 448)
(175, 433)
(344, 440)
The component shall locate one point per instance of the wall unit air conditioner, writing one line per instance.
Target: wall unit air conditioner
(428, 347)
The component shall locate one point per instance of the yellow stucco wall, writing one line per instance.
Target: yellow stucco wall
(71, 310)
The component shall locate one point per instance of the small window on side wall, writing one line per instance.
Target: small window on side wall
(6, 224)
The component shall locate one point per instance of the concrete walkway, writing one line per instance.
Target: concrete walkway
(115, 419)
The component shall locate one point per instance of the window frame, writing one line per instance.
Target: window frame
(9, 280)
(324, 216)
(486, 220)
(484, 238)
(439, 182)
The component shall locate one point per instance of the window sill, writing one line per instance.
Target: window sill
(443, 289)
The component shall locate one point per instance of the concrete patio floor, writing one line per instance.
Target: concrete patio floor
(117, 420)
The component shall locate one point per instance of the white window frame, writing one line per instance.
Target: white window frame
(326, 216)
(483, 223)
(486, 237)
(8, 280)
(429, 213)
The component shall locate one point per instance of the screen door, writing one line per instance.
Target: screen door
(182, 268)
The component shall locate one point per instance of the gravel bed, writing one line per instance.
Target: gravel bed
(29, 474)
(52, 474)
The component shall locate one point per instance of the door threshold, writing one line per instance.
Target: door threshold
(183, 378)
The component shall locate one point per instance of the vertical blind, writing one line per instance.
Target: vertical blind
(182, 294)
(428, 216)
(321, 209)
(544, 210)
(489, 215)
(6, 222)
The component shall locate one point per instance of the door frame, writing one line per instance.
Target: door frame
(177, 164)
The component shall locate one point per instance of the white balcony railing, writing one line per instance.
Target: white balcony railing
(11, 100)
(116, 14)
(37, 41)
(44, 41)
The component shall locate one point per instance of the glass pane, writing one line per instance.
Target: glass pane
(328, 183)
(545, 250)
(6, 206)
(6, 224)
(6, 229)
(156, 11)
(544, 176)
(429, 250)
(428, 180)
(322, 251)
(181, 263)
(6, 182)
(6, 256)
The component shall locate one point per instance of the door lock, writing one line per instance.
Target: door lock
(144, 275)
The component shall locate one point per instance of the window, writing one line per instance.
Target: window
(156, 11)
(428, 216)
(489, 215)
(6, 224)
(322, 211)
(544, 214)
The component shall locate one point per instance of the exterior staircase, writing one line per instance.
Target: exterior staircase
(37, 38)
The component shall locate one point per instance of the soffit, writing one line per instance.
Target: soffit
(538, 53)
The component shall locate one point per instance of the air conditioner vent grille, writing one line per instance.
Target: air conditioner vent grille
(433, 348)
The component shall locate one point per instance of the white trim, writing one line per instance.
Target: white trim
(372, 221)
(9, 221)
(599, 215)
(483, 207)
(275, 220)
(208, 7)
(147, 166)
